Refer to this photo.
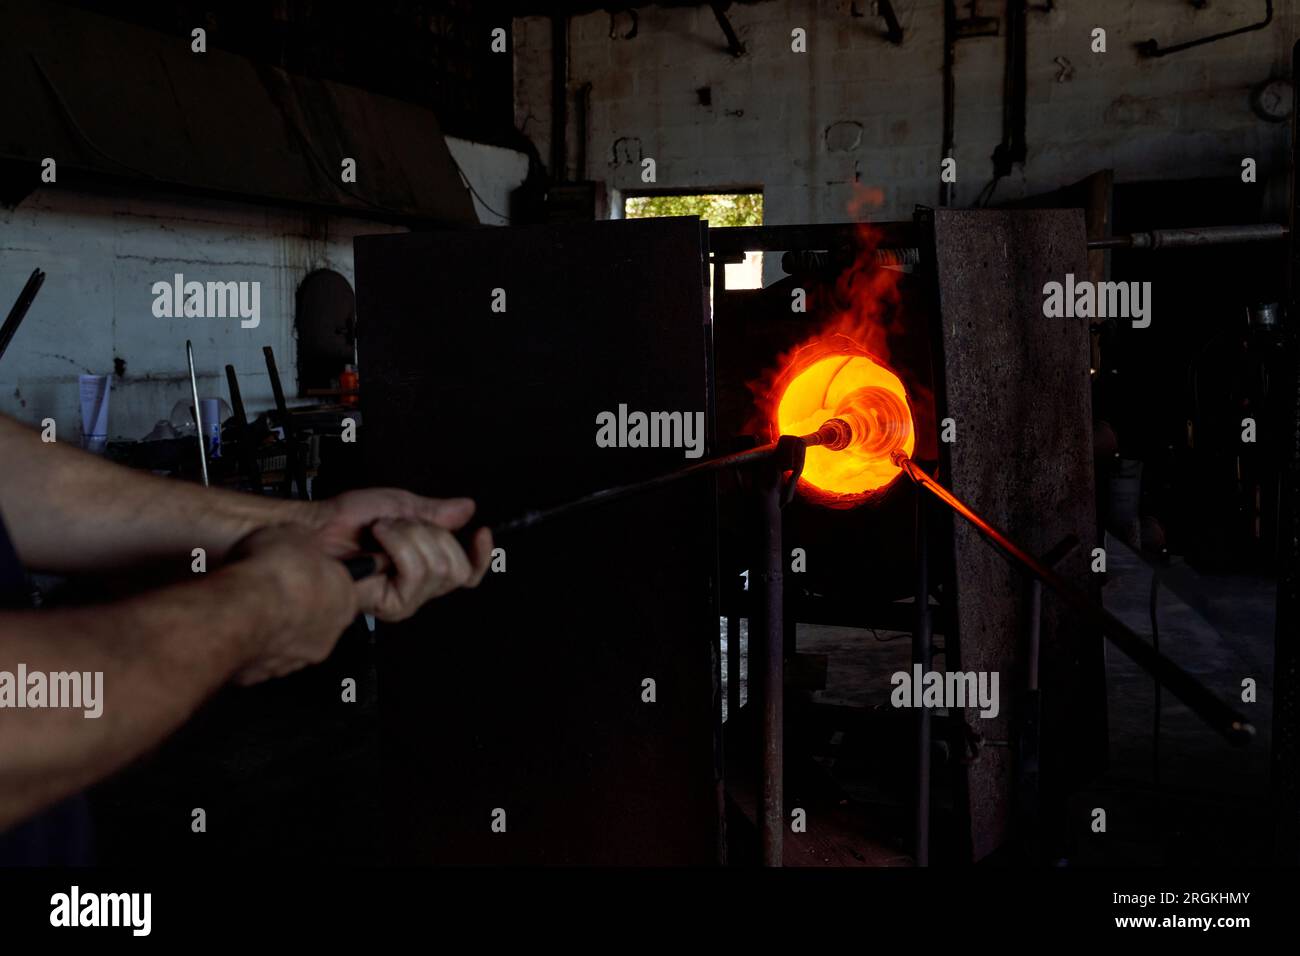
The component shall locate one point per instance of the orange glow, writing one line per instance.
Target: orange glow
(833, 376)
(841, 372)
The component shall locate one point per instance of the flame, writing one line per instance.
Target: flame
(840, 372)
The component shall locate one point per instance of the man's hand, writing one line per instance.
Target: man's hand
(427, 562)
(415, 532)
(308, 597)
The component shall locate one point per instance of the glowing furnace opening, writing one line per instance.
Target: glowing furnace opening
(852, 386)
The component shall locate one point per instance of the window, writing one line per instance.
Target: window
(720, 209)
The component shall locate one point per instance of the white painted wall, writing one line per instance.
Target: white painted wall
(856, 110)
(494, 172)
(102, 255)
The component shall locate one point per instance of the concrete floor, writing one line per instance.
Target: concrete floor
(1195, 798)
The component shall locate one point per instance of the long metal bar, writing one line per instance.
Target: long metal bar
(949, 95)
(1035, 631)
(247, 452)
(1015, 92)
(733, 668)
(734, 46)
(769, 621)
(893, 29)
(922, 653)
(1194, 236)
(835, 434)
(619, 492)
(19, 311)
(1202, 702)
(1284, 764)
(737, 240)
(896, 239)
(198, 415)
(1153, 48)
(559, 97)
(1029, 712)
(293, 471)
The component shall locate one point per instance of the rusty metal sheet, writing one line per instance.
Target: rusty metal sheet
(1017, 386)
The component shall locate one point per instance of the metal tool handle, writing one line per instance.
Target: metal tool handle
(198, 416)
(362, 566)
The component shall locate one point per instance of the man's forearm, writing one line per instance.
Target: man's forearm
(67, 510)
(161, 654)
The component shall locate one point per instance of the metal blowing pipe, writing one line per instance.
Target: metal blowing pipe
(198, 417)
(1196, 236)
(619, 492)
(1214, 712)
(1155, 239)
(834, 434)
(363, 565)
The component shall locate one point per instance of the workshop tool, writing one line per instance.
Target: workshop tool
(786, 448)
(198, 424)
(831, 434)
(294, 475)
(247, 453)
(19, 310)
(362, 566)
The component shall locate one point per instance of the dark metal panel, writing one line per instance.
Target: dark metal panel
(1285, 764)
(526, 694)
(1017, 385)
(107, 99)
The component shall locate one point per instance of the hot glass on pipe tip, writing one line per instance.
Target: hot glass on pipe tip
(879, 420)
(872, 421)
(835, 434)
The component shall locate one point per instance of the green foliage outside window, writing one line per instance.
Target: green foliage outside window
(720, 209)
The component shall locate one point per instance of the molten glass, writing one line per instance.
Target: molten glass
(836, 378)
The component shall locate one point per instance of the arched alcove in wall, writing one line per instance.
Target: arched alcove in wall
(325, 322)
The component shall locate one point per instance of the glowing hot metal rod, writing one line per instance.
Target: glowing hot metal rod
(1202, 701)
(788, 451)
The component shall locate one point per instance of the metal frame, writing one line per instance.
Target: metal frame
(1285, 782)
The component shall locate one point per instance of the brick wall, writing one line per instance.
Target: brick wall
(791, 122)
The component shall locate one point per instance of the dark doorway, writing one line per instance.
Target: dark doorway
(326, 323)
